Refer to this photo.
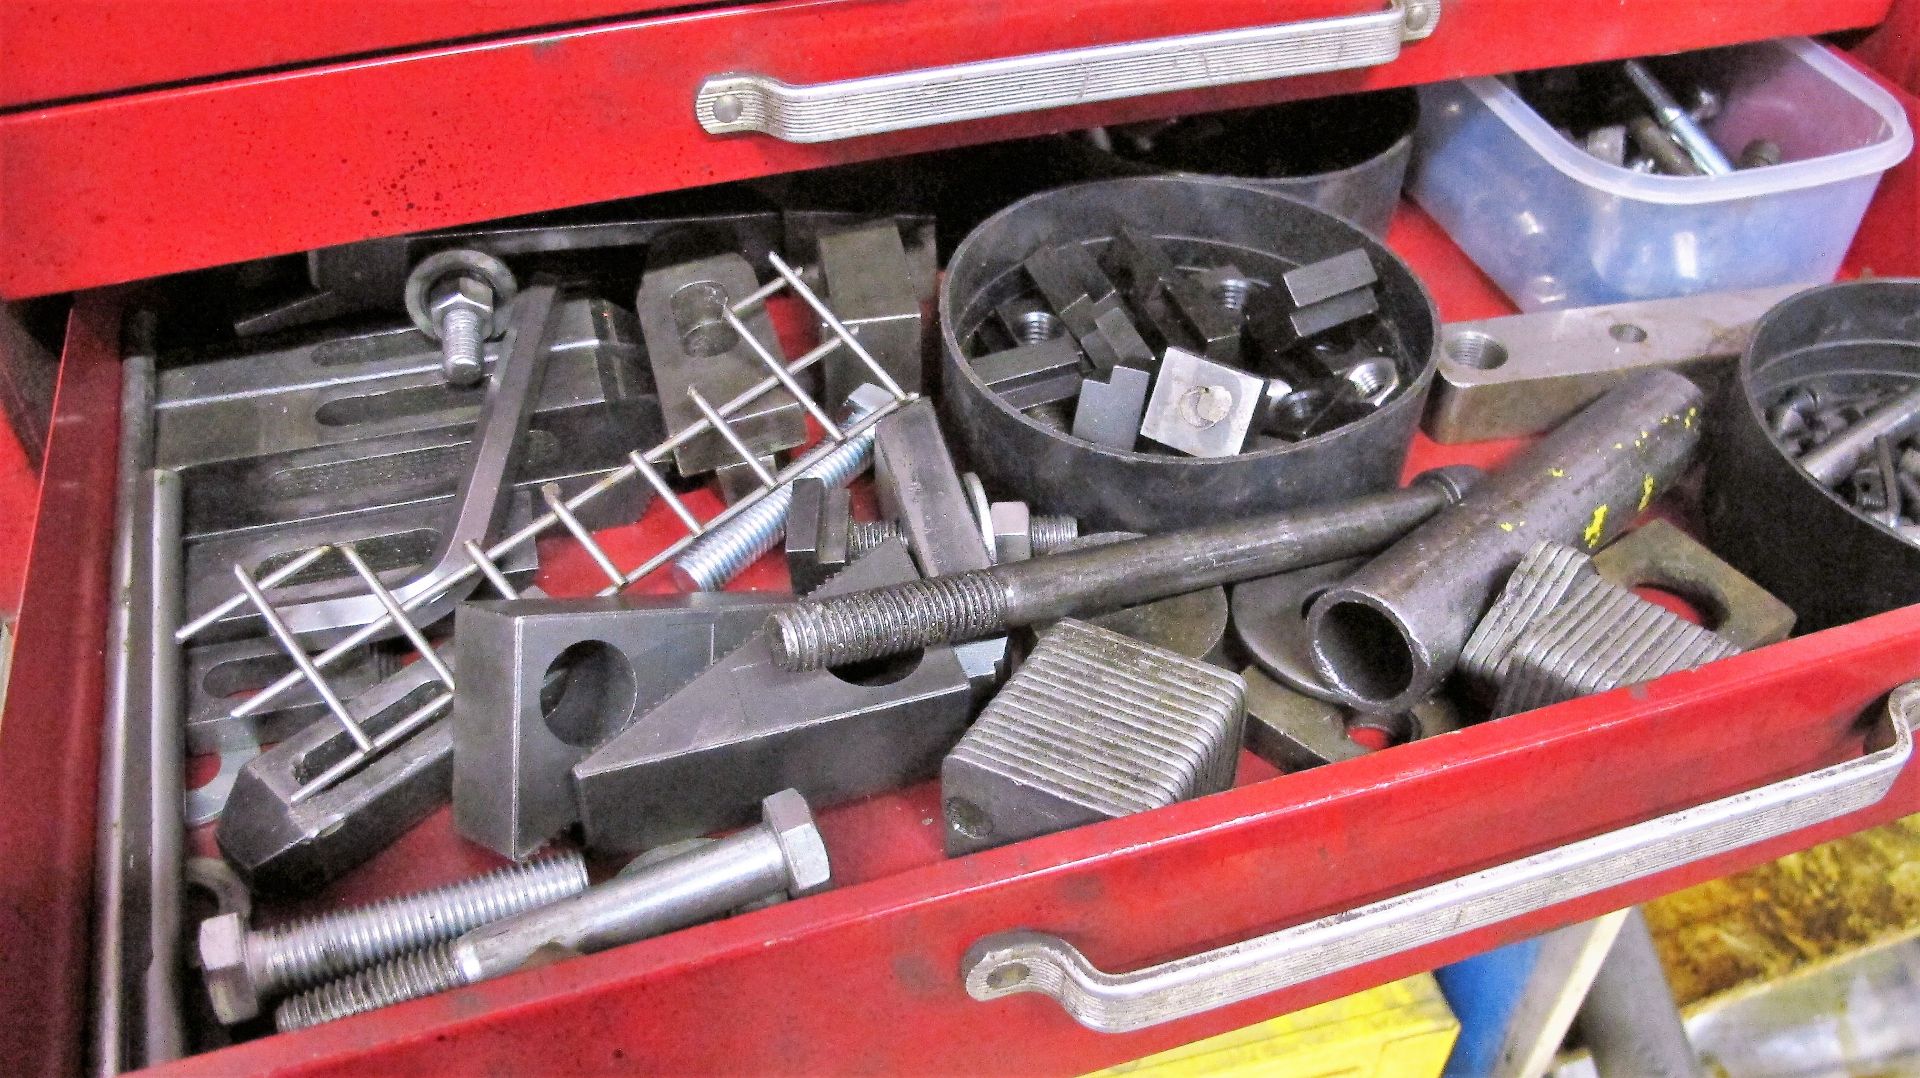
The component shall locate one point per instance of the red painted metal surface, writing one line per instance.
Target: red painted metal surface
(866, 977)
(58, 49)
(154, 183)
(50, 731)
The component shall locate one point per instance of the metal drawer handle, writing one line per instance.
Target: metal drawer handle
(1010, 962)
(828, 111)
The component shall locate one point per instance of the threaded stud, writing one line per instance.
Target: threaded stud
(460, 338)
(305, 953)
(887, 621)
(411, 976)
(1051, 534)
(725, 552)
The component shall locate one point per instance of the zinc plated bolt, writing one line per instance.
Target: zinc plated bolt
(782, 854)
(1676, 120)
(723, 553)
(987, 602)
(245, 967)
(455, 297)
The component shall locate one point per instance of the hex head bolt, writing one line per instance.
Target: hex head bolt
(1678, 122)
(725, 552)
(1836, 458)
(987, 602)
(1385, 638)
(782, 854)
(455, 297)
(245, 967)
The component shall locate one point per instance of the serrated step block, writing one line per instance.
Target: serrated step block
(1094, 725)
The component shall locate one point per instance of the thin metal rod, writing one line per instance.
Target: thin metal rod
(726, 431)
(389, 737)
(833, 323)
(550, 493)
(779, 370)
(428, 654)
(489, 570)
(659, 483)
(301, 662)
(273, 579)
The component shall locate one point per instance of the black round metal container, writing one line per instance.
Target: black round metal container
(1203, 223)
(1766, 516)
(1347, 155)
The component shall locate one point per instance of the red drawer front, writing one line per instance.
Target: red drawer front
(176, 179)
(59, 49)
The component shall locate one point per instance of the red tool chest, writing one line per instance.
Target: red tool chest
(259, 139)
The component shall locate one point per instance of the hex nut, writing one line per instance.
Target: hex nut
(1012, 531)
(458, 293)
(786, 814)
(441, 266)
(223, 960)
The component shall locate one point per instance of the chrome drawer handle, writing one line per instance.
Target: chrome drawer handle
(1009, 962)
(828, 111)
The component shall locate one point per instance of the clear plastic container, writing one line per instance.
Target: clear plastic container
(1557, 227)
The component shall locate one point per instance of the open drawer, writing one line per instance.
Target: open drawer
(1550, 817)
(159, 140)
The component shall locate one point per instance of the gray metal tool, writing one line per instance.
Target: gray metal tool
(371, 275)
(920, 489)
(704, 757)
(371, 384)
(1094, 726)
(1526, 373)
(969, 605)
(1385, 637)
(1310, 300)
(872, 288)
(1175, 303)
(1270, 620)
(286, 843)
(822, 536)
(1043, 371)
(548, 680)
(783, 854)
(1201, 408)
(480, 507)
(1657, 554)
(1600, 636)
(454, 297)
(1110, 413)
(244, 967)
(696, 342)
(1193, 624)
(397, 541)
(1294, 731)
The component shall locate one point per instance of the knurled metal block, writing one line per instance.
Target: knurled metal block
(1601, 637)
(1542, 580)
(1093, 726)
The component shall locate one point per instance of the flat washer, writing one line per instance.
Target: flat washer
(1270, 618)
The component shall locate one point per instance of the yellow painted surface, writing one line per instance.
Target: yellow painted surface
(1730, 937)
(1398, 1030)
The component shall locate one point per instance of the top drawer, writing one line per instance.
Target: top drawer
(165, 180)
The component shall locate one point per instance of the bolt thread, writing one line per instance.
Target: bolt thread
(887, 621)
(726, 551)
(1037, 327)
(411, 976)
(1051, 534)
(864, 535)
(305, 953)
(1233, 293)
(460, 342)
